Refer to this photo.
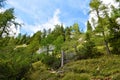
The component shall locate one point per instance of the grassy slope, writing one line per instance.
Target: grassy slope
(90, 69)
(101, 68)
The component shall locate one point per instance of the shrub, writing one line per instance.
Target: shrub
(50, 61)
(88, 50)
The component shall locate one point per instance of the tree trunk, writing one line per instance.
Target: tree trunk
(106, 43)
(2, 32)
(103, 33)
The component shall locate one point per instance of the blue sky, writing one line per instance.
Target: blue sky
(39, 14)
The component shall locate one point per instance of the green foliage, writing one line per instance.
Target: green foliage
(58, 42)
(7, 18)
(15, 61)
(39, 71)
(67, 33)
(114, 41)
(94, 4)
(75, 28)
(116, 77)
(88, 49)
(102, 24)
(89, 27)
(59, 30)
(100, 68)
(13, 65)
(114, 36)
(22, 39)
(75, 76)
(34, 43)
(36, 37)
(47, 41)
(4, 41)
(50, 61)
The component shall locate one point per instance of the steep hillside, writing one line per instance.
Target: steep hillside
(104, 68)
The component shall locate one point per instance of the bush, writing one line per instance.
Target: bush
(50, 61)
(88, 50)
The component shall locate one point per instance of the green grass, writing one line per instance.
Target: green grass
(39, 71)
(76, 76)
(105, 67)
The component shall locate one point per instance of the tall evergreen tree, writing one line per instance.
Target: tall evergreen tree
(76, 28)
(67, 33)
(89, 27)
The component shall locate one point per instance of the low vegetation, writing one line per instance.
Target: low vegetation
(103, 68)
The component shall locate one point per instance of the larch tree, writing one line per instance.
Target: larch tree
(98, 7)
(114, 29)
(7, 19)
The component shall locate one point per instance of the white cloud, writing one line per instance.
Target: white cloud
(38, 14)
(2, 10)
(48, 25)
(110, 2)
(93, 15)
(29, 10)
(14, 31)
